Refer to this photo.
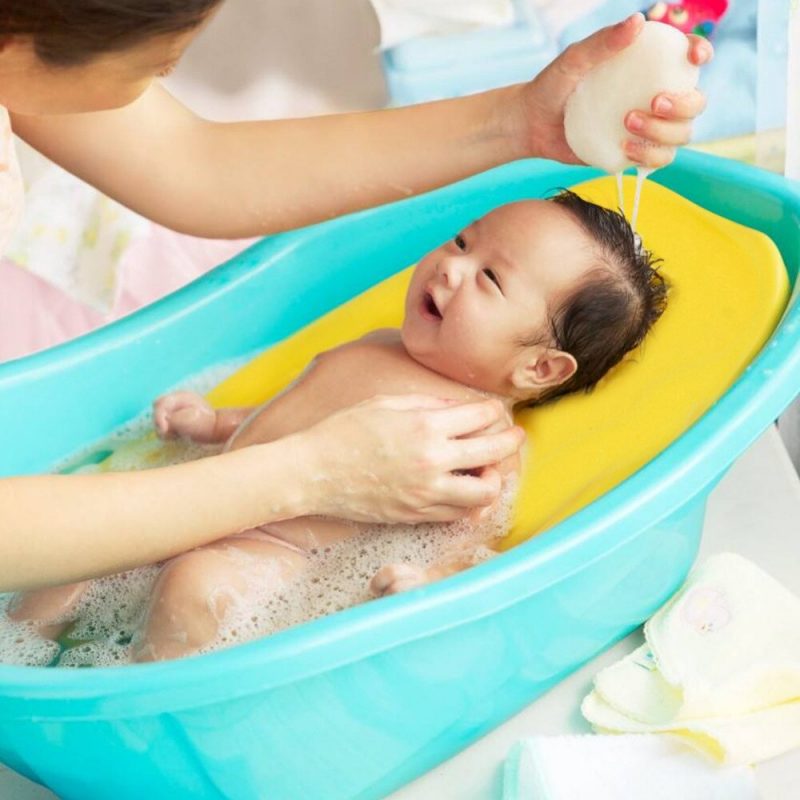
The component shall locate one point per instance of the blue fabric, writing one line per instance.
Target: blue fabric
(432, 68)
(447, 66)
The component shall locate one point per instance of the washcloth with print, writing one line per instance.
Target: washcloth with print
(720, 667)
(73, 236)
(626, 767)
(12, 194)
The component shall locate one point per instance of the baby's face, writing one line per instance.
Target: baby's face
(474, 300)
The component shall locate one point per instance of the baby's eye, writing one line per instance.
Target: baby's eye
(489, 273)
(460, 242)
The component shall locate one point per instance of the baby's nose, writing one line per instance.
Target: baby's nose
(451, 272)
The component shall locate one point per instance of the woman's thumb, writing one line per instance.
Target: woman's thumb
(582, 57)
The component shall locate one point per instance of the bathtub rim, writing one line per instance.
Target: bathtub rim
(678, 474)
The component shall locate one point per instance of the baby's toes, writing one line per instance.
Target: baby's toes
(395, 578)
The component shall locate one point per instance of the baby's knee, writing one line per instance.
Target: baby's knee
(198, 582)
(189, 601)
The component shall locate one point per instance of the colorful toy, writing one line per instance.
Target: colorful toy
(691, 16)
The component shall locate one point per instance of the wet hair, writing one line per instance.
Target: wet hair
(68, 33)
(612, 310)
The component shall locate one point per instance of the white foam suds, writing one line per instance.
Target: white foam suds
(338, 576)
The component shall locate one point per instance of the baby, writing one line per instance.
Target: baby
(536, 299)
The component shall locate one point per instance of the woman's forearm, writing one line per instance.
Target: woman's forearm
(389, 459)
(252, 178)
(93, 525)
(231, 180)
(290, 173)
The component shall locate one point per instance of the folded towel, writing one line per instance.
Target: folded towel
(721, 667)
(401, 20)
(618, 768)
(743, 739)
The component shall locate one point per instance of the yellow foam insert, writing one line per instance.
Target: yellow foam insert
(729, 289)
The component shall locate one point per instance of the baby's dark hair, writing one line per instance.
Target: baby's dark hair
(612, 311)
(68, 33)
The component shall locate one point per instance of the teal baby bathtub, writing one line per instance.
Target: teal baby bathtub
(357, 704)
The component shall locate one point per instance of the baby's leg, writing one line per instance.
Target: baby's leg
(187, 415)
(50, 610)
(194, 591)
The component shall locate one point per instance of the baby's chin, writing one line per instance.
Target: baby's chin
(438, 362)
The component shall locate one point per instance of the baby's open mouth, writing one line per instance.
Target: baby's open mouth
(430, 306)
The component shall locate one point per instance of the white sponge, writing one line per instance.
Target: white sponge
(595, 112)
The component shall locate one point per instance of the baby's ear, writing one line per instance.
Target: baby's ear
(543, 369)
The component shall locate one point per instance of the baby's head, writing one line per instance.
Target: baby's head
(536, 299)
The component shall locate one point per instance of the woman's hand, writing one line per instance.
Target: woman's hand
(396, 459)
(666, 125)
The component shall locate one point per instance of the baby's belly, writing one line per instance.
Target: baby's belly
(312, 534)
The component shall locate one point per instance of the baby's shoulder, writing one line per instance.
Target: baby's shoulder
(383, 342)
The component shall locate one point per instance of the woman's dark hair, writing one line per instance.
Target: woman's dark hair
(71, 32)
(612, 311)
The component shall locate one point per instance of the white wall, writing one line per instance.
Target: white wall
(273, 58)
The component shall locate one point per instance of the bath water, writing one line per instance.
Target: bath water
(103, 628)
(642, 173)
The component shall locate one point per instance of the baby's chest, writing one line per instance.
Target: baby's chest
(341, 378)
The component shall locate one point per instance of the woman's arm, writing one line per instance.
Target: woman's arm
(389, 459)
(252, 178)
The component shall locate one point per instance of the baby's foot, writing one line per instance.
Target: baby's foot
(184, 415)
(394, 578)
(49, 610)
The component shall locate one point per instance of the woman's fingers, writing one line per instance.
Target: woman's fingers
(394, 459)
(582, 57)
(667, 124)
(658, 131)
(480, 451)
(678, 107)
(462, 420)
(701, 51)
(467, 492)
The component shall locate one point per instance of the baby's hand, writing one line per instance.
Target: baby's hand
(184, 415)
(395, 578)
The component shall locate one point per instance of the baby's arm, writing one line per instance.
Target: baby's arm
(186, 415)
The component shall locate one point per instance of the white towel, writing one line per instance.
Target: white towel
(618, 768)
(721, 667)
(401, 20)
